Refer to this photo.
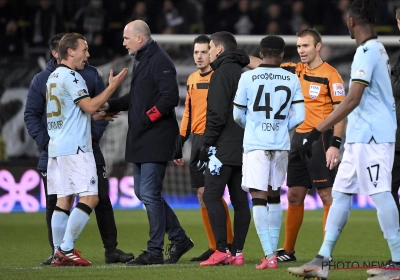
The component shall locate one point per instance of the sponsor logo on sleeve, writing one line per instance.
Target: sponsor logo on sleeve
(314, 91)
(360, 73)
(338, 89)
(82, 92)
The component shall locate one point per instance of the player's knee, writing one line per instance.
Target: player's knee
(90, 200)
(296, 195)
(200, 198)
(84, 207)
(326, 195)
(59, 209)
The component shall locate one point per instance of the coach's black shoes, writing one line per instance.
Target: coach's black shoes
(146, 259)
(283, 256)
(48, 261)
(176, 251)
(118, 256)
(203, 257)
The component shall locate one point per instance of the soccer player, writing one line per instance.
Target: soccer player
(71, 165)
(268, 103)
(369, 149)
(395, 78)
(323, 90)
(226, 136)
(36, 123)
(194, 121)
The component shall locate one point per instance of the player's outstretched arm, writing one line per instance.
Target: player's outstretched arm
(91, 105)
(344, 109)
(333, 152)
(348, 104)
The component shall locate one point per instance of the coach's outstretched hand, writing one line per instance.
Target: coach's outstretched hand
(306, 149)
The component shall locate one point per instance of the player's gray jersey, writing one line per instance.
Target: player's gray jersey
(67, 124)
(268, 93)
(375, 116)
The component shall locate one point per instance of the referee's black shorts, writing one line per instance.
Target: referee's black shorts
(196, 176)
(313, 171)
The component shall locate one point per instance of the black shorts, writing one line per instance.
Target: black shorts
(396, 171)
(313, 171)
(196, 176)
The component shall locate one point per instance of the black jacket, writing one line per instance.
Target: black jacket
(35, 111)
(154, 92)
(395, 77)
(221, 130)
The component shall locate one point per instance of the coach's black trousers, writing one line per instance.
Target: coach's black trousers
(213, 192)
(104, 211)
(396, 179)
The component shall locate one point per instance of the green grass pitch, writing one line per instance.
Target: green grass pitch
(24, 245)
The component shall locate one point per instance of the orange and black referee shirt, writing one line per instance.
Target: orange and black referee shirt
(194, 116)
(322, 88)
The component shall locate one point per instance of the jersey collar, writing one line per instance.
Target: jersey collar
(269, 65)
(369, 38)
(63, 65)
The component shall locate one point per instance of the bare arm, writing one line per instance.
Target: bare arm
(339, 127)
(333, 153)
(348, 104)
(91, 105)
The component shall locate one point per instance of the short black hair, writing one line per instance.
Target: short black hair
(202, 39)
(272, 46)
(312, 32)
(224, 38)
(54, 41)
(364, 11)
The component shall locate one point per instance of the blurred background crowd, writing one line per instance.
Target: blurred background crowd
(27, 25)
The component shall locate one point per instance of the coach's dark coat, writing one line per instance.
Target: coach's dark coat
(221, 130)
(395, 77)
(35, 110)
(153, 84)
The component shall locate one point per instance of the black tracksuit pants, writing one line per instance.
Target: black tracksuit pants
(396, 179)
(213, 192)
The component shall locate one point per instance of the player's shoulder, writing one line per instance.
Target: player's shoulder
(288, 72)
(194, 76)
(369, 50)
(299, 66)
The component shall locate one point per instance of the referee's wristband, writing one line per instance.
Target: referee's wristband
(336, 142)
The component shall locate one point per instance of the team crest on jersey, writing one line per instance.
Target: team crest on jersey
(93, 181)
(338, 89)
(314, 91)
